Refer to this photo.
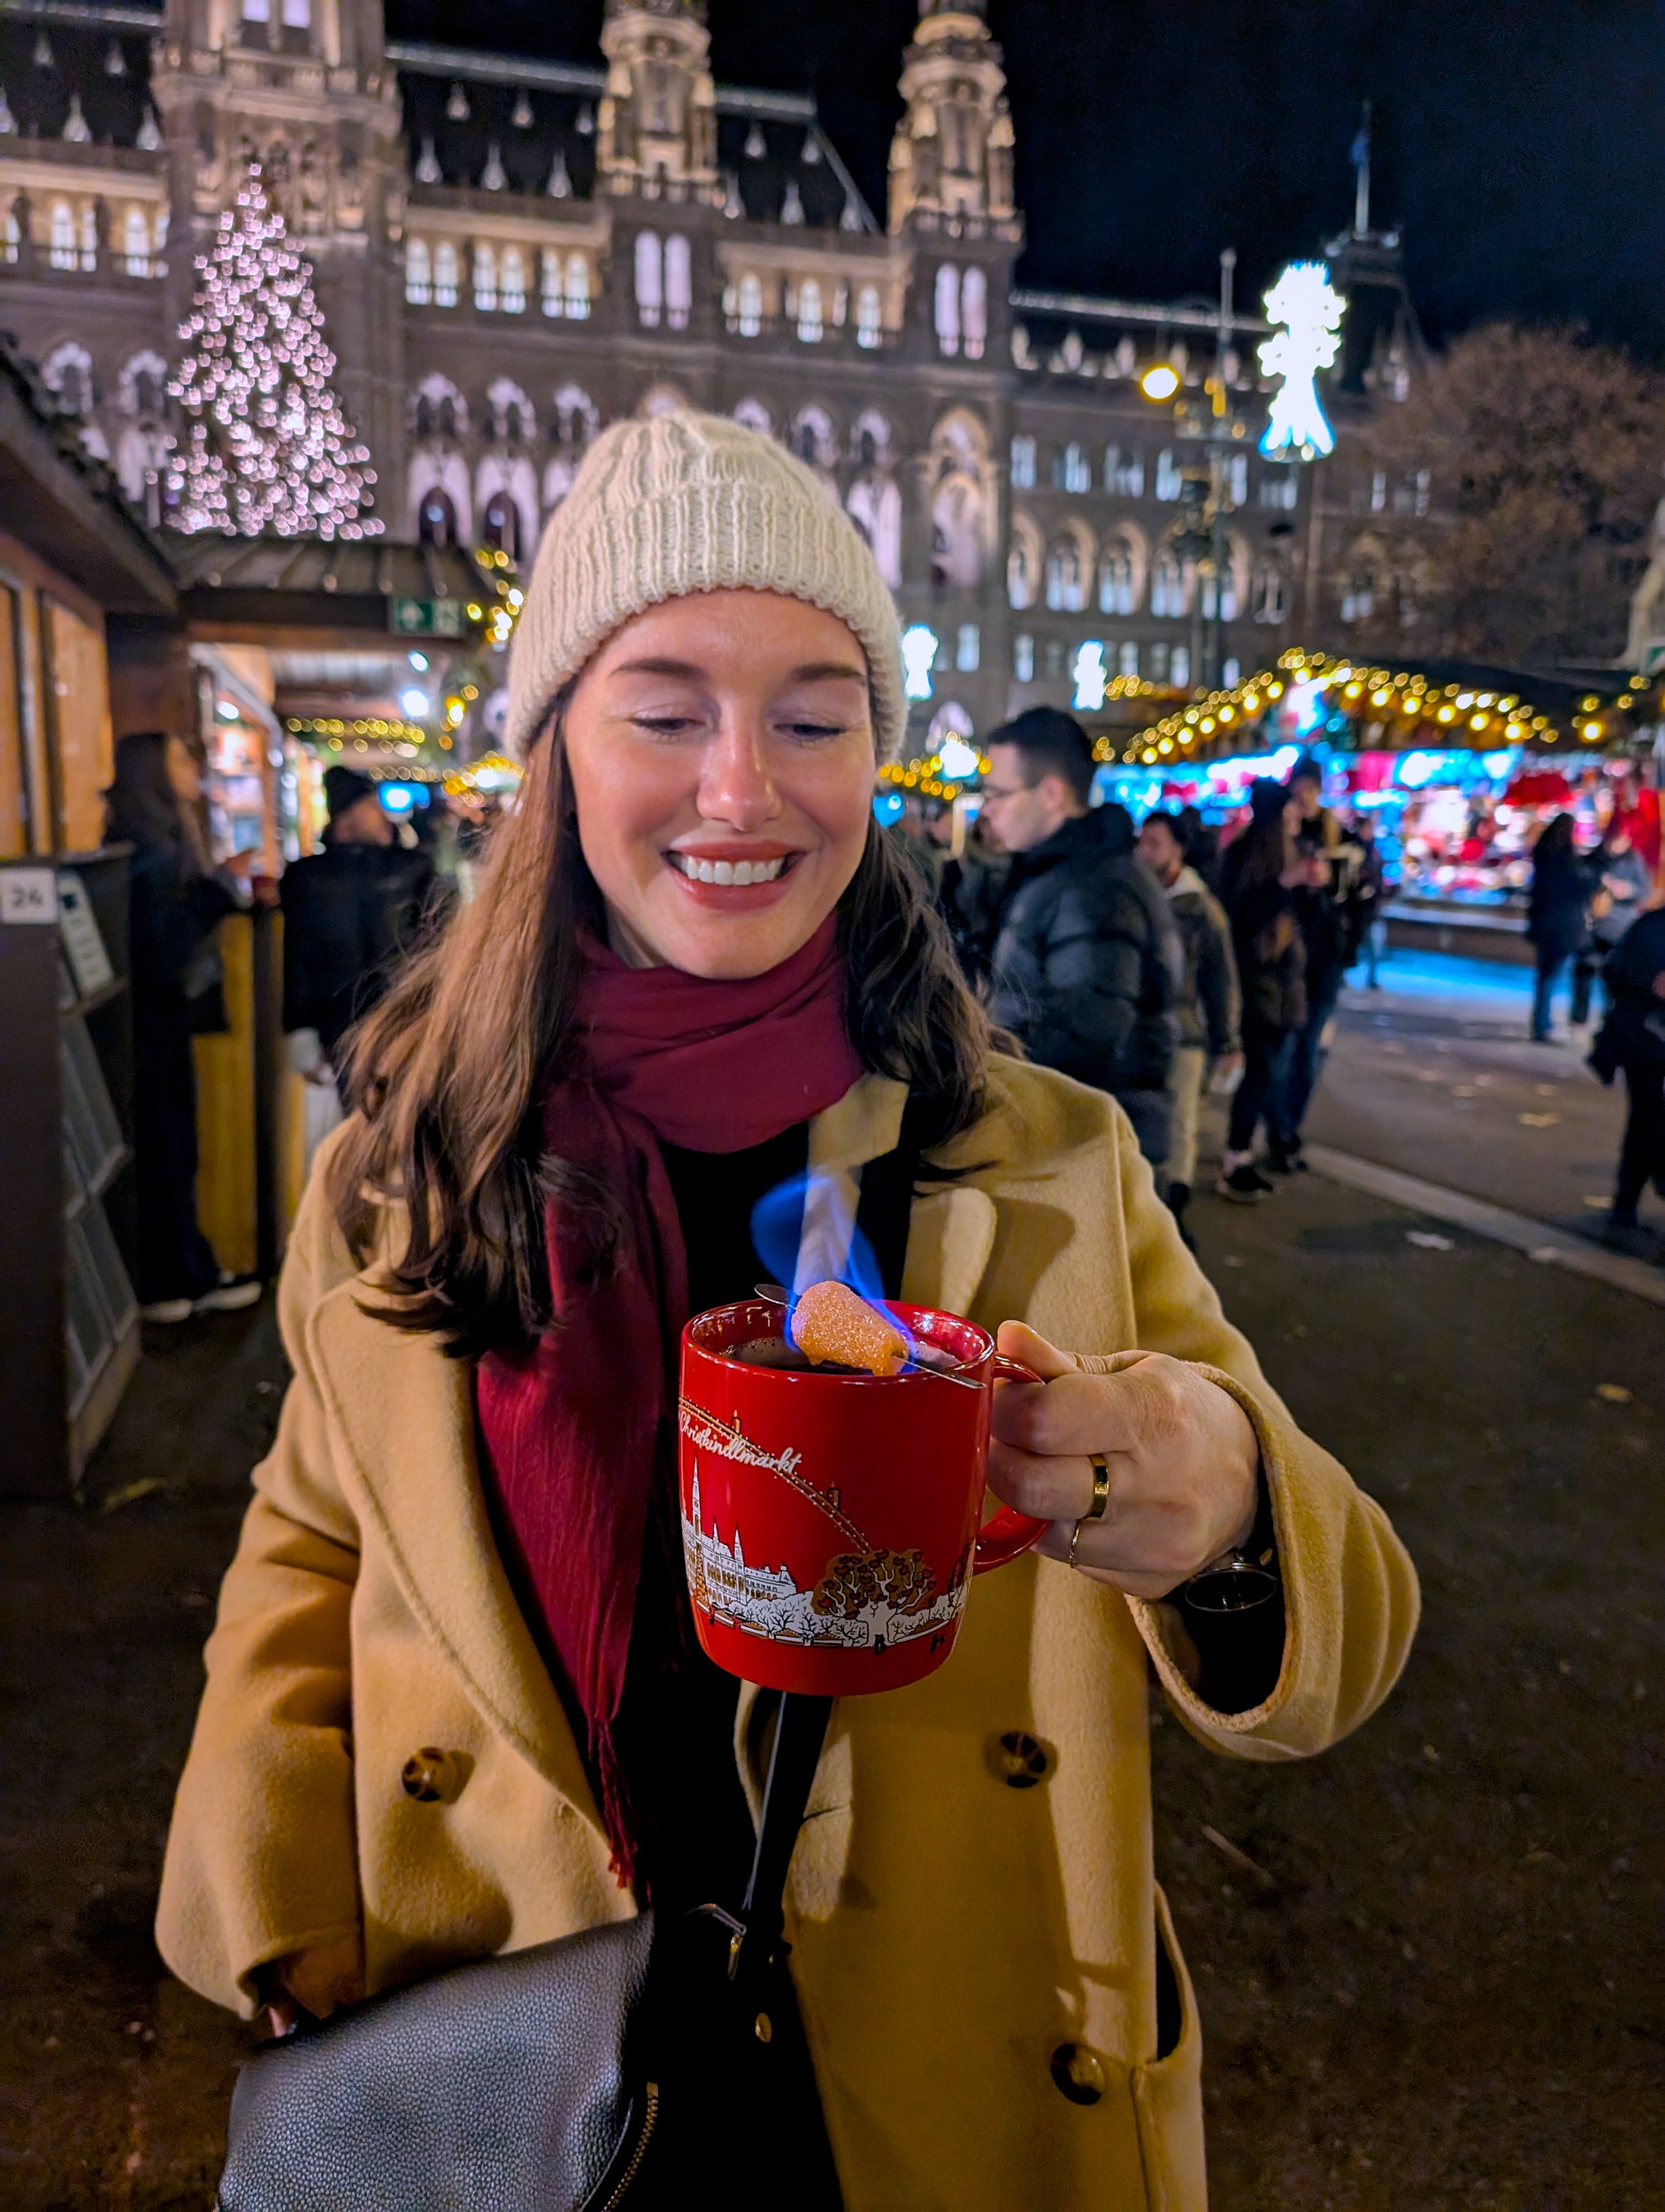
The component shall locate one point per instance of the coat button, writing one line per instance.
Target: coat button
(1078, 2073)
(434, 1777)
(1021, 1761)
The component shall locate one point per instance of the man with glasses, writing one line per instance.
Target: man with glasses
(1085, 963)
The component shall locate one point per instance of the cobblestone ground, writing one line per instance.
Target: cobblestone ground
(1429, 1965)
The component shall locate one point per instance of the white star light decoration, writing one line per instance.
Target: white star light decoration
(266, 445)
(1310, 310)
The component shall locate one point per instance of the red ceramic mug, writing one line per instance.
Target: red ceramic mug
(830, 1521)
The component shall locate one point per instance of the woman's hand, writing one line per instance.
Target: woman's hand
(318, 1981)
(1181, 1455)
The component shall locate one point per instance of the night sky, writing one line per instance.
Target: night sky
(1519, 142)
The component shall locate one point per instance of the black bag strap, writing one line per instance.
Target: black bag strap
(800, 1731)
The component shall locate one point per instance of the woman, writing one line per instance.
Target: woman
(451, 1707)
(177, 899)
(1558, 918)
(1261, 872)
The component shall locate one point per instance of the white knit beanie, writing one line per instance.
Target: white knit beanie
(684, 503)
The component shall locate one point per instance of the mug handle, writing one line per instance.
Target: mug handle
(1007, 1534)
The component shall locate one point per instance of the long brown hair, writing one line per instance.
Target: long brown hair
(445, 1074)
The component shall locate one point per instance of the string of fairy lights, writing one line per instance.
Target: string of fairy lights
(267, 446)
(1401, 708)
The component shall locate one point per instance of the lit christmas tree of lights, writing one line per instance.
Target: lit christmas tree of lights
(267, 446)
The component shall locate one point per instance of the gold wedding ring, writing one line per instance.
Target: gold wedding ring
(1101, 1487)
(1101, 1499)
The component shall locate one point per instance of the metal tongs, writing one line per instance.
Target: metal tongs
(926, 1359)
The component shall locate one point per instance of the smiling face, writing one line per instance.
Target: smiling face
(721, 754)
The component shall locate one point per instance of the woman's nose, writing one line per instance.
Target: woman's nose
(737, 782)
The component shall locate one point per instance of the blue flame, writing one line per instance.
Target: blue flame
(831, 1248)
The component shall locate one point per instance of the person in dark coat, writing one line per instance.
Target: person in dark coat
(1558, 916)
(1087, 963)
(1261, 872)
(350, 913)
(1328, 921)
(177, 899)
(1632, 1037)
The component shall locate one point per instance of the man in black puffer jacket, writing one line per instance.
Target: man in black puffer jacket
(1084, 964)
(350, 913)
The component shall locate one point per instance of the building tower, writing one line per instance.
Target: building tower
(656, 132)
(302, 88)
(951, 158)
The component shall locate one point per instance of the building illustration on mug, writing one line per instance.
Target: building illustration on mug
(866, 1598)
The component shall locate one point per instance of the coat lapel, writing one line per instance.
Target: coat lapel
(403, 1415)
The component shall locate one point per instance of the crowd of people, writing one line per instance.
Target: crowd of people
(1156, 965)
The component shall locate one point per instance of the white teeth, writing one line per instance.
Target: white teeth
(733, 873)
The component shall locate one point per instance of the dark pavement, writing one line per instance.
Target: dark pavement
(1435, 1075)
(1438, 1982)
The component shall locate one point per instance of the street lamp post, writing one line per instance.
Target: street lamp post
(1206, 491)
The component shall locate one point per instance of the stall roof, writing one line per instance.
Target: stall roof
(314, 593)
(67, 506)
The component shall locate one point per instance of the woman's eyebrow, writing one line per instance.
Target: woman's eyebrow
(828, 671)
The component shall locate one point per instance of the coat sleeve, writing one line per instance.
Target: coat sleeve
(1350, 1591)
(261, 1857)
(1217, 981)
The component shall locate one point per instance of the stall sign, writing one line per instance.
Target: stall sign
(428, 618)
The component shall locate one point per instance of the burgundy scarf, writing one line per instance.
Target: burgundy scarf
(573, 1428)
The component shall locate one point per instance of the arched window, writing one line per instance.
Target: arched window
(445, 274)
(67, 372)
(1270, 599)
(436, 518)
(1066, 580)
(10, 235)
(1127, 659)
(1072, 471)
(500, 525)
(418, 272)
(870, 440)
(1170, 583)
(1117, 591)
(514, 281)
(974, 312)
(61, 232)
(1124, 472)
(578, 289)
(749, 302)
(1358, 593)
(869, 329)
(1022, 570)
(550, 291)
(649, 279)
(1023, 464)
(956, 536)
(89, 236)
(948, 307)
(755, 415)
(679, 281)
(1170, 477)
(875, 507)
(136, 242)
(809, 325)
(814, 439)
(485, 275)
(297, 15)
(576, 420)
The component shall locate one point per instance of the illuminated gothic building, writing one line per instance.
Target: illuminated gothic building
(511, 253)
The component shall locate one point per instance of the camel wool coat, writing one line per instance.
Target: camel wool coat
(950, 1932)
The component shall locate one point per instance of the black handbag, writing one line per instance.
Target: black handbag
(562, 2079)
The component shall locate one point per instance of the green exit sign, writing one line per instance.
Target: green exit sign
(428, 618)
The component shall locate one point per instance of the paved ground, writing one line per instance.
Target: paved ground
(1434, 1074)
(1437, 1985)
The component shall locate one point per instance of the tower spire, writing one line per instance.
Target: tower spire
(1362, 172)
(951, 158)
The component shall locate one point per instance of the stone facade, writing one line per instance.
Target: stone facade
(510, 252)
